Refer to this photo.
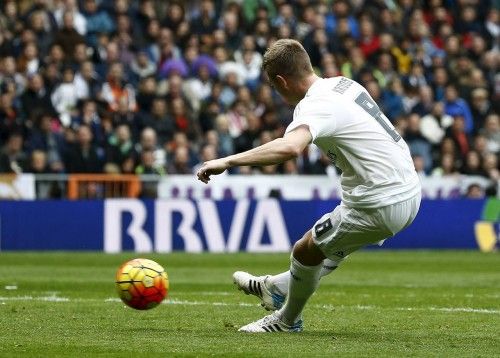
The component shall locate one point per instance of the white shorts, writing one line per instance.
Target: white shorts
(345, 230)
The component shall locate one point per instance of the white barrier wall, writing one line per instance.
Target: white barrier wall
(17, 187)
(294, 187)
(287, 187)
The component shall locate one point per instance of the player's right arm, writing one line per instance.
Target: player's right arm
(274, 152)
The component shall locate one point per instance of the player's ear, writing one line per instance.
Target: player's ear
(282, 81)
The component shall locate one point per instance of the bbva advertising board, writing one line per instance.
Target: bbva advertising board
(266, 225)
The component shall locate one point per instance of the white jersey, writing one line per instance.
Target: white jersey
(348, 126)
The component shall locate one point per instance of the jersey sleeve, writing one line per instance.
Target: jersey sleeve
(317, 114)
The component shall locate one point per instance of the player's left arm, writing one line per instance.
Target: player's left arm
(290, 146)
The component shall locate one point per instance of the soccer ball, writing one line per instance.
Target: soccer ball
(141, 283)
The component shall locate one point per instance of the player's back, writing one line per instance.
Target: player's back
(348, 126)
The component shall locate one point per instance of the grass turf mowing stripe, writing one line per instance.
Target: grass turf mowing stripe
(445, 299)
(243, 304)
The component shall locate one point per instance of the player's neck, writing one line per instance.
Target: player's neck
(295, 94)
(307, 83)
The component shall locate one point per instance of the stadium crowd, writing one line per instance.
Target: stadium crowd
(158, 87)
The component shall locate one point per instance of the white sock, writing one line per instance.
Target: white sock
(329, 266)
(279, 283)
(304, 281)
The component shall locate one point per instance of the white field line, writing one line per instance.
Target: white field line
(204, 293)
(51, 298)
(450, 309)
(173, 301)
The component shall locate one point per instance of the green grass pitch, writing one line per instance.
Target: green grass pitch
(378, 304)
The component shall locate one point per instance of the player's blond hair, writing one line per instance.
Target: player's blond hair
(288, 58)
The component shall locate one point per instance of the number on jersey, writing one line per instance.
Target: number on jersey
(365, 102)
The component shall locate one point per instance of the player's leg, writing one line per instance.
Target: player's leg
(279, 283)
(276, 284)
(305, 268)
(335, 235)
(306, 264)
(272, 290)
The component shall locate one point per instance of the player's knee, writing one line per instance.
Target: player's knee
(306, 252)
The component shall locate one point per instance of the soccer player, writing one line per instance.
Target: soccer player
(380, 189)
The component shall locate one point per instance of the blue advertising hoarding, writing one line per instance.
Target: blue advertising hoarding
(266, 225)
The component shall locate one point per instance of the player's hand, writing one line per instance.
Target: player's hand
(212, 167)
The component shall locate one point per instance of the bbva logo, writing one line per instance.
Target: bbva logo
(266, 216)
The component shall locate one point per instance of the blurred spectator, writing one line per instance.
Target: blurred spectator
(290, 167)
(457, 133)
(474, 191)
(481, 144)
(68, 37)
(80, 55)
(36, 98)
(180, 162)
(70, 7)
(173, 66)
(341, 10)
(96, 21)
(12, 157)
(455, 106)
(181, 140)
(224, 136)
(87, 83)
(425, 101)
(491, 131)
(160, 121)
(432, 125)
(199, 87)
(446, 168)
(480, 107)
(419, 146)
(9, 119)
(146, 94)
(419, 163)
(8, 17)
(142, 67)
(65, 97)
(491, 167)
(147, 164)
(182, 118)
(174, 89)
(232, 30)
(440, 80)
(28, 62)
(236, 118)
(144, 18)
(149, 141)
(9, 72)
(246, 140)
(38, 162)
(472, 165)
(89, 115)
(83, 156)
(116, 89)
(120, 146)
(57, 56)
(46, 138)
